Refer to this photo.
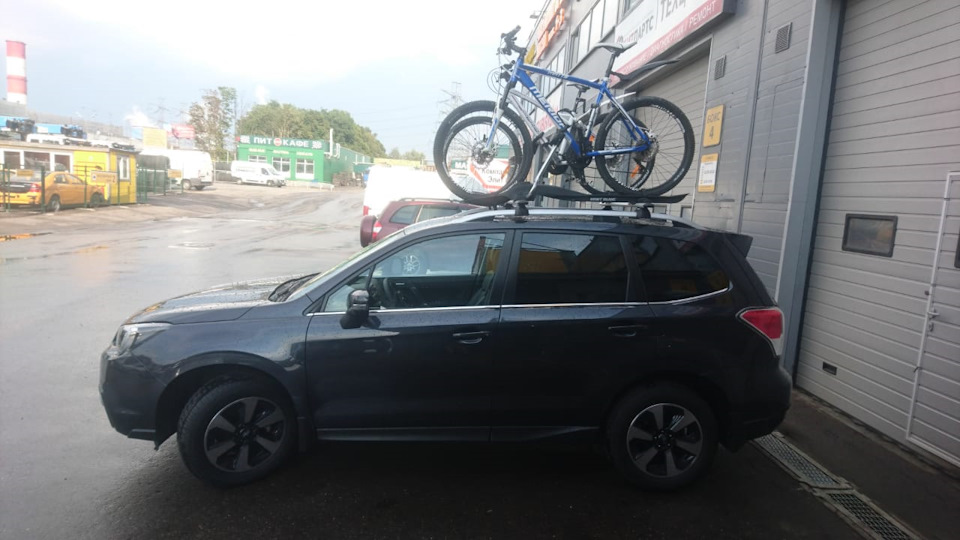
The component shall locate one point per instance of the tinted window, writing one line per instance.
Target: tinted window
(674, 269)
(405, 214)
(570, 268)
(431, 211)
(441, 272)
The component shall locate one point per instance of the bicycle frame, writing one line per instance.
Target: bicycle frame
(520, 74)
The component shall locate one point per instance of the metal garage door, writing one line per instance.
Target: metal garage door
(686, 88)
(880, 340)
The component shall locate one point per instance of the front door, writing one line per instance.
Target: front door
(420, 365)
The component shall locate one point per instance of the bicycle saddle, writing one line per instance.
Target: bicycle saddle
(615, 48)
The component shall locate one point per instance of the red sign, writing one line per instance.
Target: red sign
(183, 131)
(278, 141)
(550, 24)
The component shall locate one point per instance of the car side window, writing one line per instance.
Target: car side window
(451, 271)
(431, 211)
(570, 268)
(405, 215)
(676, 269)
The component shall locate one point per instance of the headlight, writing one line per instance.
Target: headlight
(131, 334)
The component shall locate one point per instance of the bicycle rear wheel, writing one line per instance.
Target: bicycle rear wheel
(467, 168)
(657, 169)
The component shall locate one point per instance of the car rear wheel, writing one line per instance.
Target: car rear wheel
(662, 437)
(54, 203)
(187, 185)
(96, 200)
(233, 432)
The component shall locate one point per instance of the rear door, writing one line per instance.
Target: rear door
(573, 333)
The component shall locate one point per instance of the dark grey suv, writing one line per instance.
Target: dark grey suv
(647, 334)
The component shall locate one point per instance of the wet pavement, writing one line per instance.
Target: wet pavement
(64, 472)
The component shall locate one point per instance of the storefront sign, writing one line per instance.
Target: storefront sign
(707, 181)
(182, 131)
(278, 141)
(657, 25)
(550, 24)
(712, 126)
(154, 138)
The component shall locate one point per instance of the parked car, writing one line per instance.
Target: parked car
(246, 172)
(61, 189)
(647, 334)
(399, 214)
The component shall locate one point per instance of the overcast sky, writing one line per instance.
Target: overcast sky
(384, 61)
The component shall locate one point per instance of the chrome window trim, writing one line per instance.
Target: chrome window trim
(407, 310)
(694, 298)
(582, 304)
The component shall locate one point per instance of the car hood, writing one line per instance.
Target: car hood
(221, 303)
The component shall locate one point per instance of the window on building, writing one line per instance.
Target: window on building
(596, 24)
(610, 12)
(281, 164)
(686, 212)
(583, 45)
(574, 49)
(570, 268)
(61, 162)
(257, 159)
(873, 235)
(674, 269)
(629, 4)
(305, 166)
(123, 168)
(37, 160)
(11, 160)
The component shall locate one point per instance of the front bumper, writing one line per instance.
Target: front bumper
(129, 393)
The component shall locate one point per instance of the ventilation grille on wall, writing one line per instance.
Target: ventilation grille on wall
(720, 68)
(783, 38)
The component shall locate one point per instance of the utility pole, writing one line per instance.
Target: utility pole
(444, 107)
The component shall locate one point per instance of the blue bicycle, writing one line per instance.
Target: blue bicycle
(642, 148)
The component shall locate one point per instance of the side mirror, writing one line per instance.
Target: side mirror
(358, 309)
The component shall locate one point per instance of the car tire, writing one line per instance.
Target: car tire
(233, 432)
(662, 437)
(96, 200)
(199, 188)
(54, 204)
(271, 183)
(186, 185)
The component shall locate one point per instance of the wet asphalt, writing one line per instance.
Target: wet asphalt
(64, 472)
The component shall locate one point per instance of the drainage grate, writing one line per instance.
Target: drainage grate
(798, 464)
(868, 516)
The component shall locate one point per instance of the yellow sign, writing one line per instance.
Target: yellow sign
(712, 126)
(707, 181)
(154, 138)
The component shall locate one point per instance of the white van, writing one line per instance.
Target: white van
(196, 168)
(248, 172)
(386, 184)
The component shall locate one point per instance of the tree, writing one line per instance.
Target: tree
(413, 155)
(394, 153)
(213, 118)
(284, 120)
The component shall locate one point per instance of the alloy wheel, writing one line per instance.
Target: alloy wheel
(664, 440)
(244, 434)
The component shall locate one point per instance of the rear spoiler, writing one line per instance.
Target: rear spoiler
(740, 241)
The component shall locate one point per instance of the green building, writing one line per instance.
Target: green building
(301, 159)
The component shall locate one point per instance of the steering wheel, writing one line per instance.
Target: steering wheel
(402, 295)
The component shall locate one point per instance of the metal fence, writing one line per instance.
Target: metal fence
(45, 190)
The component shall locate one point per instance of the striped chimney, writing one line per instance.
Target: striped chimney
(17, 72)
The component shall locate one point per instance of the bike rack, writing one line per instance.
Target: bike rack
(523, 193)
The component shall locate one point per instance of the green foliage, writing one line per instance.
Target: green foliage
(413, 155)
(394, 153)
(213, 118)
(285, 120)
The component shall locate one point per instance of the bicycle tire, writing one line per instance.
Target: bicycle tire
(628, 174)
(473, 114)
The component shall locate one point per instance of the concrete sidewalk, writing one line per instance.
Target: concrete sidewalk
(916, 491)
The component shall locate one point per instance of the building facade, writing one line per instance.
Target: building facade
(301, 159)
(829, 131)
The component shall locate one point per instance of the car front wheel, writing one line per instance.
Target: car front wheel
(662, 437)
(233, 432)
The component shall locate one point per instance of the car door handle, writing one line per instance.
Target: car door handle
(470, 338)
(627, 331)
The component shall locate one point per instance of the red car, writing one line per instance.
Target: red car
(399, 214)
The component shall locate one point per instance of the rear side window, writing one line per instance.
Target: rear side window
(431, 211)
(405, 215)
(570, 269)
(675, 269)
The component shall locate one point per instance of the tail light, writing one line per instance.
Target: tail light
(768, 322)
(366, 209)
(376, 231)
(34, 188)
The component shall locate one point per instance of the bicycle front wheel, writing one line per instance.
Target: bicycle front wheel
(472, 169)
(655, 169)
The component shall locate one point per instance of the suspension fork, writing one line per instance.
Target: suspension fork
(498, 110)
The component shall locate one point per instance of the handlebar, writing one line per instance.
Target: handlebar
(510, 42)
(511, 34)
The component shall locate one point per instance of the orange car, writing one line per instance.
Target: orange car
(62, 189)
